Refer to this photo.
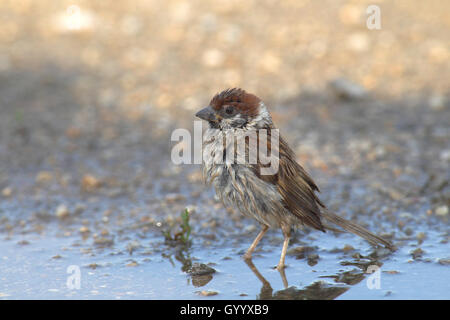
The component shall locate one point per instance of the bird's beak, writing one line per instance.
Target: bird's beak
(207, 114)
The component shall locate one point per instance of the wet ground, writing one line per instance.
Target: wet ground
(87, 183)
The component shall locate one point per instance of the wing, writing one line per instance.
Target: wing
(296, 187)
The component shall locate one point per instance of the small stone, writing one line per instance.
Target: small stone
(421, 236)
(441, 211)
(84, 229)
(199, 269)
(73, 133)
(132, 264)
(103, 242)
(302, 251)
(417, 253)
(313, 259)
(90, 183)
(406, 215)
(207, 293)
(348, 248)
(7, 192)
(62, 212)
(175, 197)
(44, 177)
(437, 102)
(444, 261)
(391, 272)
(250, 228)
(445, 155)
(347, 90)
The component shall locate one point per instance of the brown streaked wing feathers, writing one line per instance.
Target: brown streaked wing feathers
(295, 186)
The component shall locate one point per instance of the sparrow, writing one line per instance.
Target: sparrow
(284, 198)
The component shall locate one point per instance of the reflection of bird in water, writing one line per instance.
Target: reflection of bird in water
(315, 291)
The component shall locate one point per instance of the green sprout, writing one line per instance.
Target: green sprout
(183, 234)
(185, 227)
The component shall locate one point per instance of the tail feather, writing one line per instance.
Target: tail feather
(356, 229)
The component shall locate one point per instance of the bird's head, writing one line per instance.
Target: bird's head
(235, 108)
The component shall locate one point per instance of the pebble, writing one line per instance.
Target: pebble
(175, 197)
(103, 242)
(7, 192)
(44, 177)
(132, 264)
(207, 293)
(417, 253)
(421, 236)
(313, 259)
(437, 102)
(62, 211)
(250, 228)
(199, 269)
(445, 155)
(347, 90)
(90, 183)
(391, 272)
(442, 211)
(444, 261)
(84, 229)
(302, 251)
(348, 248)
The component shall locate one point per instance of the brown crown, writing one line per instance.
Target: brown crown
(246, 103)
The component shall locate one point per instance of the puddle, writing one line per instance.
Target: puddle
(36, 266)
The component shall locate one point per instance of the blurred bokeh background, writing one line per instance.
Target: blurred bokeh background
(91, 90)
(150, 54)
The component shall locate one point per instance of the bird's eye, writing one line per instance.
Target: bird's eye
(229, 110)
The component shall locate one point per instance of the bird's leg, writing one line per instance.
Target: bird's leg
(283, 278)
(258, 274)
(287, 235)
(248, 254)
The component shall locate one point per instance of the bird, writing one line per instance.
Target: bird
(282, 198)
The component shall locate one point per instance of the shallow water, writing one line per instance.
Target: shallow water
(35, 266)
